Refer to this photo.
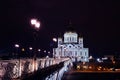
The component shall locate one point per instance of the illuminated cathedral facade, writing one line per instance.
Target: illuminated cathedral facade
(71, 45)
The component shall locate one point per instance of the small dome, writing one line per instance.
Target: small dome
(70, 28)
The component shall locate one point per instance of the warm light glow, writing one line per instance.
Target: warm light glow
(90, 67)
(99, 69)
(17, 45)
(83, 62)
(54, 39)
(113, 62)
(23, 49)
(78, 67)
(85, 67)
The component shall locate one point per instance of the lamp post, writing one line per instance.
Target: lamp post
(30, 50)
(36, 25)
(54, 40)
(19, 71)
(16, 46)
(39, 52)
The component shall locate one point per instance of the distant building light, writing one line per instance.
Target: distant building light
(105, 58)
(90, 57)
(98, 60)
(47, 56)
(113, 62)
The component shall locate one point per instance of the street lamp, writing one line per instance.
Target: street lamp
(36, 25)
(19, 72)
(39, 50)
(23, 49)
(54, 40)
(48, 52)
(33, 21)
(31, 51)
(17, 46)
(30, 48)
(44, 51)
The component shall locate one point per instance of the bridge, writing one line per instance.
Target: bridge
(18, 68)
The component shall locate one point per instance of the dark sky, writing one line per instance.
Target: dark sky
(96, 20)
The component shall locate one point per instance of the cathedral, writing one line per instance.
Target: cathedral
(71, 45)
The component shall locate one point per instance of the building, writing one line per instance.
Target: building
(71, 46)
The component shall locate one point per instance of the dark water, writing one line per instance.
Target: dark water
(92, 76)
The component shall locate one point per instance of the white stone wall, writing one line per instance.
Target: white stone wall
(71, 46)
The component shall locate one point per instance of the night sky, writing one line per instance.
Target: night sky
(98, 21)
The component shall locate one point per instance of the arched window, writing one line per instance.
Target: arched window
(75, 53)
(81, 53)
(73, 39)
(85, 54)
(67, 39)
(70, 39)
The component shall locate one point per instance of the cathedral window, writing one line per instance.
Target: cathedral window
(67, 38)
(80, 53)
(85, 54)
(60, 42)
(75, 53)
(73, 39)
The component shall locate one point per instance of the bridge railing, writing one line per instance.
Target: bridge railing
(15, 68)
